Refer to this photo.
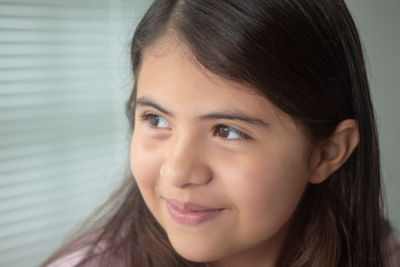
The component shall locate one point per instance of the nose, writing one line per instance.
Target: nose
(185, 164)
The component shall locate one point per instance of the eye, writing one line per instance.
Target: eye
(155, 121)
(230, 133)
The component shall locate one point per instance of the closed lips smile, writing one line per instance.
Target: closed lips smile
(191, 214)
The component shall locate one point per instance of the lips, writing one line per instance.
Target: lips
(191, 214)
(188, 206)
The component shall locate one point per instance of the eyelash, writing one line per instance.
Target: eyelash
(243, 136)
(147, 117)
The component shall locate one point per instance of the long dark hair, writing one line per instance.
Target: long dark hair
(304, 56)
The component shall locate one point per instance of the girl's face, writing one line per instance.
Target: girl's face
(221, 168)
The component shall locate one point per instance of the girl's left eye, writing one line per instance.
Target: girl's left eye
(155, 121)
(230, 133)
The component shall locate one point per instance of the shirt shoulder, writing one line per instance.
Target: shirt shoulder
(73, 258)
(69, 260)
(393, 245)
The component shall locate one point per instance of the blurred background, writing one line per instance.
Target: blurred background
(64, 79)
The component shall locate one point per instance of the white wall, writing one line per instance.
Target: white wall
(64, 79)
(378, 23)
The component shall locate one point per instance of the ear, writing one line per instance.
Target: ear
(333, 152)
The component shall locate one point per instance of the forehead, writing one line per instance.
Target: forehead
(170, 56)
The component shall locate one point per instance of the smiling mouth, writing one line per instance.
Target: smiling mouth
(191, 214)
(189, 206)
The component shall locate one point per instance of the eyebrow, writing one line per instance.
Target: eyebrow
(225, 114)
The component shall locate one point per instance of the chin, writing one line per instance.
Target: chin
(194, 256)
(196, 252)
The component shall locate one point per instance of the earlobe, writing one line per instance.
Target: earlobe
(335, 151)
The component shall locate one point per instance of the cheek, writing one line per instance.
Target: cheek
(267, 187)
(144, 163)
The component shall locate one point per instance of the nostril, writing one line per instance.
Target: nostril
(184, 176)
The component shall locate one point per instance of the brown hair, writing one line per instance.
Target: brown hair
(306, 57)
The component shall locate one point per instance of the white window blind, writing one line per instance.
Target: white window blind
(64, 79)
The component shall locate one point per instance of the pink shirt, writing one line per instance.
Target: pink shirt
(69, 260)
(394, 251)
(72, 259)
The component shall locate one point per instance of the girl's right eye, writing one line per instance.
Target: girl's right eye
(155, 121)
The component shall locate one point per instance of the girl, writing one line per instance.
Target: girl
(254, 143)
